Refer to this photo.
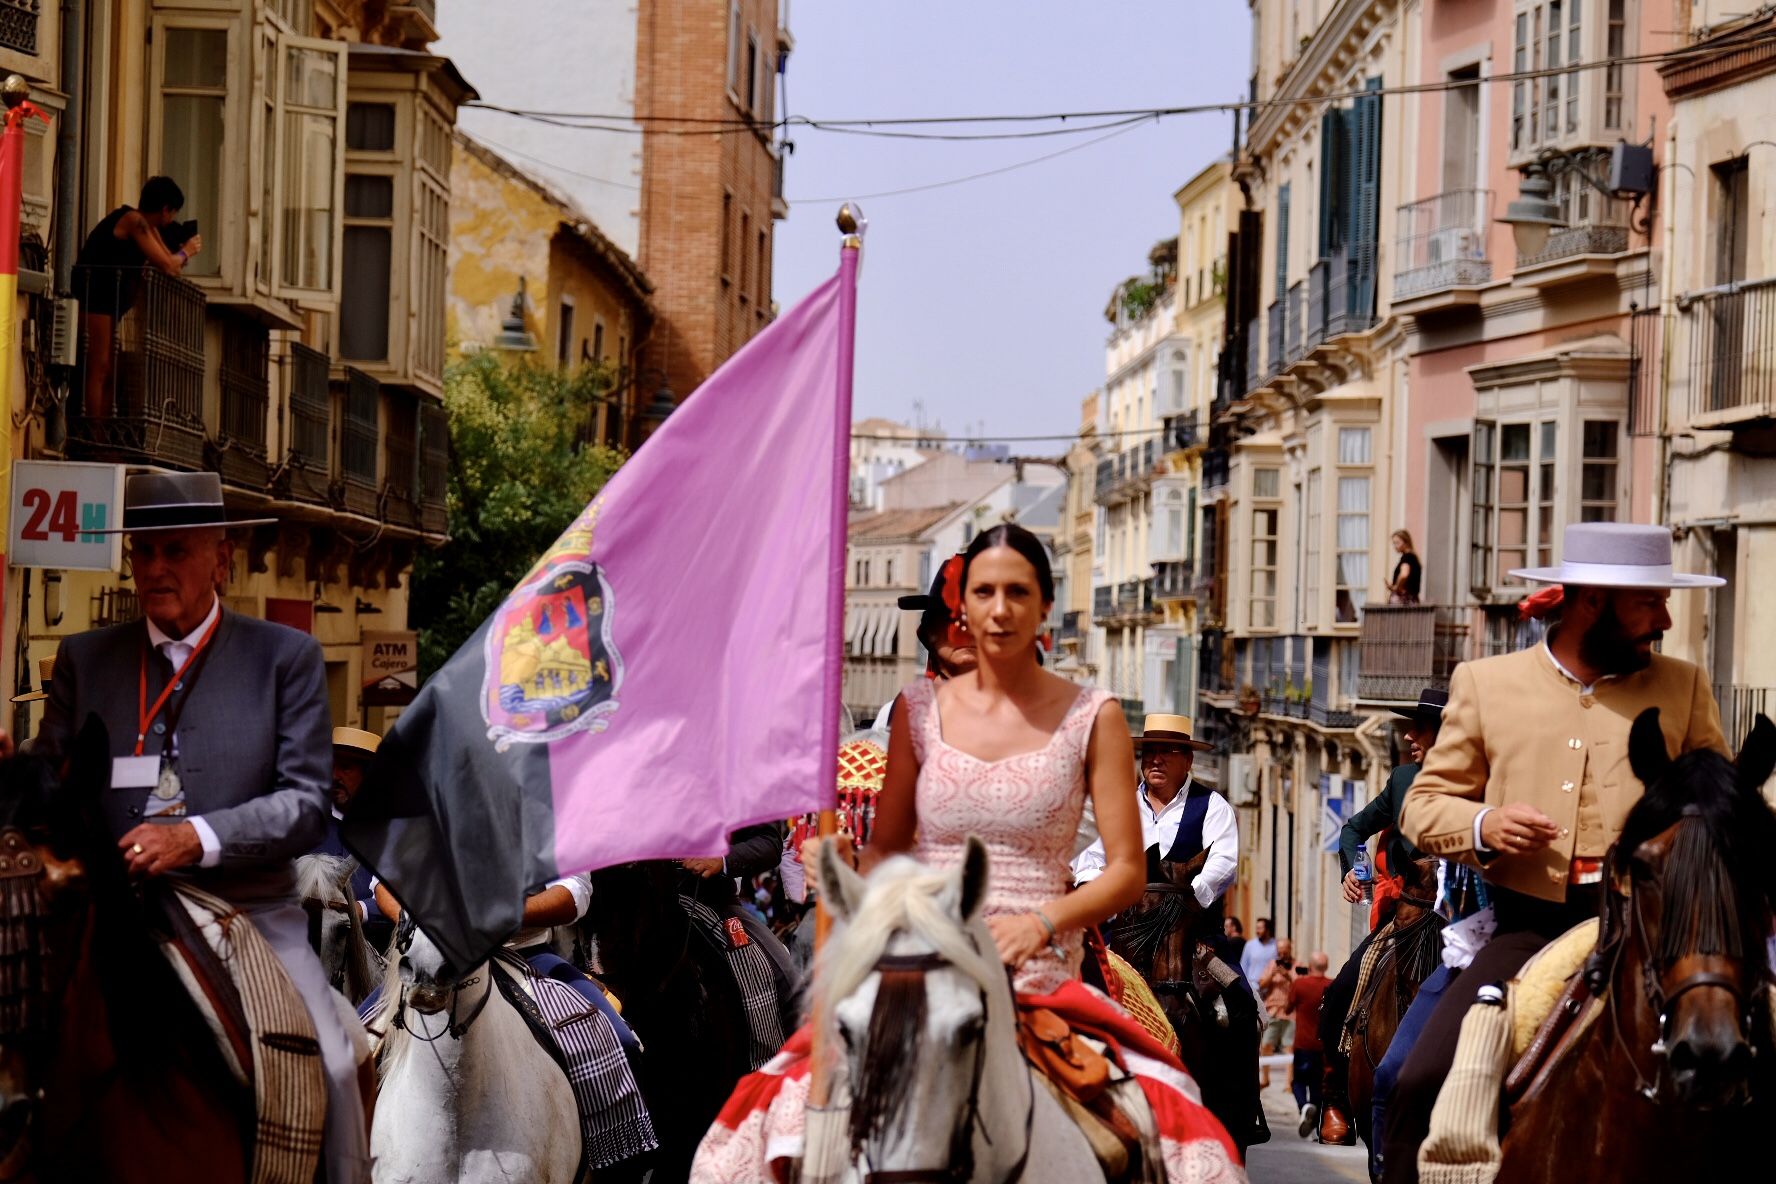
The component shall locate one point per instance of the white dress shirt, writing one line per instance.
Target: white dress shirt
(1159, 828)
(177, 651)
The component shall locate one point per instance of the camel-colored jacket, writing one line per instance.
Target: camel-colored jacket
(1517, 729)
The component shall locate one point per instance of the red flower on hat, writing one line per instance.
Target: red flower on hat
(952, 585)
(1540, 603)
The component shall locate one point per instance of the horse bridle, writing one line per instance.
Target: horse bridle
(455, 1029)
(960, 1166)
(1653, 987)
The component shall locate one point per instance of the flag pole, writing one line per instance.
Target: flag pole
(850, 246)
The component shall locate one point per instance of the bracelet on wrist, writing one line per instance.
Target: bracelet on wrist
(1046, 923)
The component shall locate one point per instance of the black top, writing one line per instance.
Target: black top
(103, 248)
(1414, 573)
(1379, 815)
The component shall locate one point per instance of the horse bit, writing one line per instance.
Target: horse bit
(454, 1029)
(961, 1158)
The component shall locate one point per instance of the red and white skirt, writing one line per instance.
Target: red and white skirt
(758, 1137)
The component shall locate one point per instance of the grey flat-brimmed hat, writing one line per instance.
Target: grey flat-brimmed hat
(1616, 555)
(175, 501)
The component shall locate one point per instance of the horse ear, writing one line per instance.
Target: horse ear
(1647, 754)
(974, 877)
(839, 884)
(1757, 759)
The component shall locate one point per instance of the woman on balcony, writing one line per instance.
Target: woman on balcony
(1408, 572)
(107, 272)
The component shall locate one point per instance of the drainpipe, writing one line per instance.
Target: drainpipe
(67, 208)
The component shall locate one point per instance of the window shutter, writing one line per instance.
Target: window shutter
(1482, 461)
(1282, 243)
(1365, 203)
(1332, 179)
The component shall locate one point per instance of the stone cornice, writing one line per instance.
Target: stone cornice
(1335, 45)
(1731, 57)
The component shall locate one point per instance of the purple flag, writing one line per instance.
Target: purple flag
(668, 672)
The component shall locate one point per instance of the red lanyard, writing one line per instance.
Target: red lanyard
(148, 713)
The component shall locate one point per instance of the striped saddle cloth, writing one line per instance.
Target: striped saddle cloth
(751, 967)
(261, 1025)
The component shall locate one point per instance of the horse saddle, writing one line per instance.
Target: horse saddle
(260, 1021)
(1552, 1005)
(1088, 1087)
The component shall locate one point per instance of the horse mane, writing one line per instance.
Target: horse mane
(1718, 884)
(323, 877)
(901, 897)
(393, 1042)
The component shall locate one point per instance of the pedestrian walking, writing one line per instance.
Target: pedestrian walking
(1305, 994)
(1273, 992)
(1260, 950)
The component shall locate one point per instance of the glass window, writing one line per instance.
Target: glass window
(564, 333)
(1353, 546)
(364, 303)
(1264, 567)
(1545, 531)
(1546, 35)
(1353, 446)
(1266, 482)
(1483, 493)
(1513, 500)
(754, 70)
(370, 127)
(1310, 556)
(735, 46)
(194, 96)
(310, 104)
(1598, 478)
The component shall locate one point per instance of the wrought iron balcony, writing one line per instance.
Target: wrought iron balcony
(246, 399)
(359, 438)
(1103, 601)
(1070, 627)
(1254, 353)
(145, 405)
(1276, 315)
(434, 468)
(1732, 367)
(1441, 243)
(306, 474)
(1318, 278)
(1405, 648)
(1606, 234)
(1295, 344)
(18, 25)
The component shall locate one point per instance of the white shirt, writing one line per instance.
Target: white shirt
(1159, 828)
(176, 652)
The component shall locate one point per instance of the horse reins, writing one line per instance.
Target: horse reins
(960, 1167)
(454, 1029)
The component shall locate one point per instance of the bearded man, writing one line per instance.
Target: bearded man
(1529, 780)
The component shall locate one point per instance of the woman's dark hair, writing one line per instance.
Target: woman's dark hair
(160, 193)
(1010, 534)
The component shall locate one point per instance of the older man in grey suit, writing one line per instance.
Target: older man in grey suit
(221, 746)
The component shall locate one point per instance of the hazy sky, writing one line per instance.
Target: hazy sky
(984, 301)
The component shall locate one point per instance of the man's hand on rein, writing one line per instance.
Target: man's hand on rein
(154, 849)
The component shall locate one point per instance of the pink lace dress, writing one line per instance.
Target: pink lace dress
(1026, 809)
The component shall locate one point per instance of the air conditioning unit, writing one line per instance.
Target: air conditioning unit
(1453, 242)
(64, 337)
(1242, 780)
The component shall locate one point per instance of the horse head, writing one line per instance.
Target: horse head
(1692, 890)
(335, 931)
(914, 1001)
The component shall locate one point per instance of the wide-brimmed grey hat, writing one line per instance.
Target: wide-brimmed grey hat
(175, 501)
(1616, 555)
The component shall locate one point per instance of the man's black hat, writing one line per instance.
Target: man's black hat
(1429, 710)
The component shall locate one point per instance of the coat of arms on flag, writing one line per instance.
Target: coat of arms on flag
(552, 668)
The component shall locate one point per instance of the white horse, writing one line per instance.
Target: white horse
(911, 990)
(323, 884)
(467, 1096)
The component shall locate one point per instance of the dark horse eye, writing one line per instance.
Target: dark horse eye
(971, 1031)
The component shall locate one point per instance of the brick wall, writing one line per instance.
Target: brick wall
(707, 307)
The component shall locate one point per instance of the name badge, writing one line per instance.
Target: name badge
(135, 772)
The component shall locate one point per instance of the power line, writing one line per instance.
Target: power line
(967, 441)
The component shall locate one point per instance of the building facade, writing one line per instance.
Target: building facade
(530, 272)
(301, 354)
(1719, 397)
(710, 200)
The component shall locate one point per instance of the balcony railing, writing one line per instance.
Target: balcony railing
(1103, 601)
(146, 405)
(1276, 316)
(1739, 708)
(18, 25)
(1174, 579)
(1442, 243)
(307, 472)
(246, 398)
(1069, 630)
(434, 469)
(1605, 235)
(1296, 311)
(1405, 648)
(1254, 354)
(1732, 351)
(400, 462)
(1325, 706)
(1318, 278)
(115, 606)
(358, 439)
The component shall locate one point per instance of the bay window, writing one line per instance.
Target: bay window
(1598, 476)
(1353, 546)
(194, 66)
(1310, 553)
(1266, 548)
(1555, 103)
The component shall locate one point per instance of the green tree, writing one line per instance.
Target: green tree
(521, 469)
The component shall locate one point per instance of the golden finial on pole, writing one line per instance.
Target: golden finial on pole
(14, 91)
(850, 222)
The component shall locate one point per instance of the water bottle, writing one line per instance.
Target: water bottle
(1364, 872)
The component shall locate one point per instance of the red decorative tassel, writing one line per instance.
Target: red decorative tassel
(1047, 642)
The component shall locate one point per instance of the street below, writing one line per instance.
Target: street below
(1290, 1159)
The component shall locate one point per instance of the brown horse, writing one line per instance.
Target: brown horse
(107, 1071)
(1217, 1025)
(1410, 951)
(1676, 1076)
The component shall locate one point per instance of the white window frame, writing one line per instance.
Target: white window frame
(224, 239)
(281, 110)
(1274, 507)
(736, 30)
(1311, 548)
(1355, 591)
(1584, 95)
(1601, 509)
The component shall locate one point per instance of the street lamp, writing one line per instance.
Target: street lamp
(658, 408)
(1534, 214)
(513, 337)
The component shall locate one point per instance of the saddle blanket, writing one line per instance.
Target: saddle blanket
(751, 968)
(760, 1135)
(614, 1121)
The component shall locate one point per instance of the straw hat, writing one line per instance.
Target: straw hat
(45, 667)
(1170, 729)
(356, 741)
